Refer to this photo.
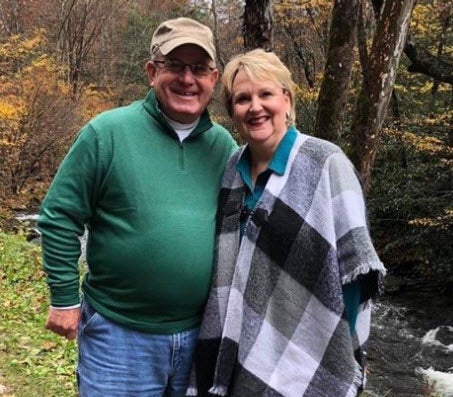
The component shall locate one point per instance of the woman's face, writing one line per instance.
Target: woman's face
(259, 110)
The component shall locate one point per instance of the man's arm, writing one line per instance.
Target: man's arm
(64, 212)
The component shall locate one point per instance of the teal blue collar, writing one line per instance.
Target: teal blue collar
(281, 155)
(278, 162)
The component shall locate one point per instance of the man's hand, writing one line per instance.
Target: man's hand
(63, 322)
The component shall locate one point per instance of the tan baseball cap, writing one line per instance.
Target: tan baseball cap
(175, 32)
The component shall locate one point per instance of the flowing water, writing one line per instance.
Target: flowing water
(411, 345)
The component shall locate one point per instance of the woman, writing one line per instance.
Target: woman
(289, 313)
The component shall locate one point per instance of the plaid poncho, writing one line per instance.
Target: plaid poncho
(275, 322)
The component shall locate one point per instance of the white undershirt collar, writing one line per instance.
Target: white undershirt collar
(182, 130)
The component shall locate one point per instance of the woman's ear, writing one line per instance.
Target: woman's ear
(288, 101)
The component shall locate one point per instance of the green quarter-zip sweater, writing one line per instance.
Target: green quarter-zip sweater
(149, 203)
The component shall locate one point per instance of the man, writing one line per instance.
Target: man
(144, 180)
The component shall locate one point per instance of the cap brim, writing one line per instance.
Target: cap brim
(168, 47)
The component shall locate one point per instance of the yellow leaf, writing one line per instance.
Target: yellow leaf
(48, 345)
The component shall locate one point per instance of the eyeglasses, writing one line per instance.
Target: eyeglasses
(174, 66)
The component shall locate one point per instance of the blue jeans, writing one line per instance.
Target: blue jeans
(118, 362)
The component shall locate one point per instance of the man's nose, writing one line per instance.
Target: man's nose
(186, 74)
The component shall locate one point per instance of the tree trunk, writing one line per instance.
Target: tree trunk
(376, 90)
(440, 53)
(82, 22)
(333, 94)
(10, 17)
(216, 34)
(257, 28)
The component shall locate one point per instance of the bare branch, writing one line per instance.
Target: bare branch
(437, 67)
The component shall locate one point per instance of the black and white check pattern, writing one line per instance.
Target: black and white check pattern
(275, 323)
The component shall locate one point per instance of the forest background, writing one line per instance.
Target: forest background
(375, 77)
(63, 61)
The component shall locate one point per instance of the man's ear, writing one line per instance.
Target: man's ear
(150, 72)
(215, 75)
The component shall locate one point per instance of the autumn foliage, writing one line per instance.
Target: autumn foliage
(38, 116)
(63, 62)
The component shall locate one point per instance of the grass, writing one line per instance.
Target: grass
(33, 361)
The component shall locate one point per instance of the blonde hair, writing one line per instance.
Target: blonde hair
(258, 65)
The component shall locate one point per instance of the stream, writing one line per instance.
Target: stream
(411, 345)
(411, 342)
